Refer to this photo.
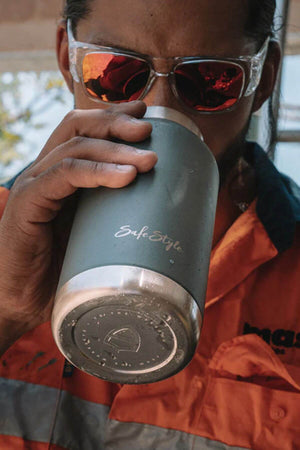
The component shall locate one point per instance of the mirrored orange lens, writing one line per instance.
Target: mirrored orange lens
(209, 85)
(114, 78)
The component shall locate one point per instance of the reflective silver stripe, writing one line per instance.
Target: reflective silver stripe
(26, 410)
(129, 436)
(80, 425)
(40, 413)
(44, 414)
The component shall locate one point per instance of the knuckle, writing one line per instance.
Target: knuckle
(113, 108)
(114, 121)
(18, 187)
(67, 164)
(23, 179)
(119, 107)
(116, 148)
(72, 120)
(115, 114)
(77, 140)
(72, 115)
(96, 167)
(108, 115)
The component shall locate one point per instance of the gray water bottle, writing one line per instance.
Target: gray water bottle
(131, 294)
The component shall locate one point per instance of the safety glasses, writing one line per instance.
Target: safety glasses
(203, 84)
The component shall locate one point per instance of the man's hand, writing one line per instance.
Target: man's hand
(36, 222)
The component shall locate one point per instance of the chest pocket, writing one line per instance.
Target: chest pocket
(251, 400)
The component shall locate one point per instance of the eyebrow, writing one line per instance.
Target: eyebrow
(101, 42)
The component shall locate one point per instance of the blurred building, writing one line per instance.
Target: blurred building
(27, 34)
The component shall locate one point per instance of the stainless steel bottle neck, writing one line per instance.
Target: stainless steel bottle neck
(162, 112)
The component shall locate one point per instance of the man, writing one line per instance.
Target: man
(236, 392)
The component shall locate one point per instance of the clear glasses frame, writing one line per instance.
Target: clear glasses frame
(250, 65)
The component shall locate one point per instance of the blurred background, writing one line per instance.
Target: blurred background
(34, 99)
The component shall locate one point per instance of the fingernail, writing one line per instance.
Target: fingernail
(124, 168)
(136, 121)
(141, 152)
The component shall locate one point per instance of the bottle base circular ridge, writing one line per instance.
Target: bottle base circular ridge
(141, 330)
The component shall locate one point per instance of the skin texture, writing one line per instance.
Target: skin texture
(36, 222)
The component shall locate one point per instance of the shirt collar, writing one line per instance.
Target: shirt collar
(278, 199)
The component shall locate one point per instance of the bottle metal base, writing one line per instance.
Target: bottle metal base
(126, 324)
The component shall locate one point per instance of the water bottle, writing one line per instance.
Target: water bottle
(130, 299)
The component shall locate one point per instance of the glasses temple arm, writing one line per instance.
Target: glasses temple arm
(72, 51)
(257, 64)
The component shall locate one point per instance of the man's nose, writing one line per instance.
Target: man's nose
(161, 94)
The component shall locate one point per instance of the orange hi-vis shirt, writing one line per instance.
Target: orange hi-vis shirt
(242, 388)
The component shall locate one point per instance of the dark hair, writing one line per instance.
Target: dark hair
(260, 23)
(76, 10)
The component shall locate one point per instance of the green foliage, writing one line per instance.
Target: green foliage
(20, 110)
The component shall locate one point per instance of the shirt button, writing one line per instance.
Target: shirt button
(198, 383)
(277, 414)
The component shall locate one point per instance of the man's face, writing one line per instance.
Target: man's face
(175, 28)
